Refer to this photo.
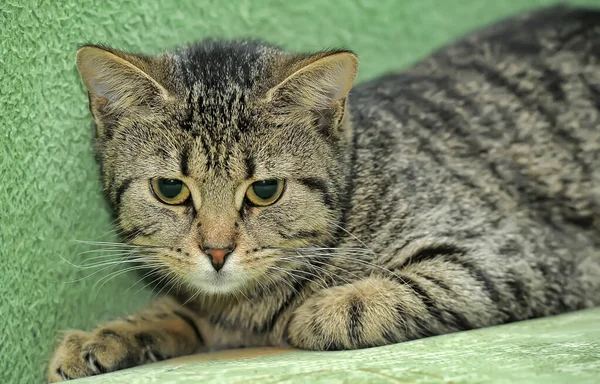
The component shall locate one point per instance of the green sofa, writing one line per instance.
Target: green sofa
(50, 195)
(562, 349)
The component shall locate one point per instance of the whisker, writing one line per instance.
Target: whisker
(112, 262)
(358, 250)
(121, 252)
(144, 276)
(116, 256)
(357, 277)
(317, 269)
(282, 279)
(118, 245)
(166, 276)
(192, 297)
(102, 251)
(332, 276)
(243, 294)
(175, 279)
(357, 261)
(113, 275)
(265, 287)
(278, 288)
(310, 266)
(88, 276)
(351, 235)
(113, 230)
(312, 277)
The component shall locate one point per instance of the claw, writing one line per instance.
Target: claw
(62, 375)
(155, 356)
(151, 356)
(94, 364)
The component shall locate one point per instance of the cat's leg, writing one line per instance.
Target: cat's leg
(402, 305)
(164, 330)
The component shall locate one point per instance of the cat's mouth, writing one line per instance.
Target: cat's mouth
(228, 279)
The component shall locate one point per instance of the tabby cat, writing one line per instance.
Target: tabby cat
(284, 206)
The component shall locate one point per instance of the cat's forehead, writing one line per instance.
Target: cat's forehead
(219, 80)
(218, 112)
(216, 67)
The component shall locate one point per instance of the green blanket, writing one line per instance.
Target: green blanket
(50, 194)
(555, 350)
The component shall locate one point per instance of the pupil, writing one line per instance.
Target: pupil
(265, 189)
(170, 188)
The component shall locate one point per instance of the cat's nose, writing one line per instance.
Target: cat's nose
(218, 256)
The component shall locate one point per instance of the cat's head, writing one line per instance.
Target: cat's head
(222, 157)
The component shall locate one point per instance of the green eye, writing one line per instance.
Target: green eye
(265, 192)
(170, 191)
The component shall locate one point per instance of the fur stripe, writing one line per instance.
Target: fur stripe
(123, 187)
(427, 301)
(250, 167)
(288, 302)
(300, 235)
(455, 321)
(454, 255)
(137, 232)
(319, 185)
(193, 325)
(593, 90)
(434, 280)
(355, 326)
(184, 160)
(431, 253)
(480, 276)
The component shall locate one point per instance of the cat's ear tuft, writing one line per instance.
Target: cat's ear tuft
(318, 82)
(118, 82)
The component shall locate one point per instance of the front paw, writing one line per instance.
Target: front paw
(351, 316)
(82, 354)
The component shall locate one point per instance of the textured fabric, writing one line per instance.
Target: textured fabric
(560, 349)
(50, 194)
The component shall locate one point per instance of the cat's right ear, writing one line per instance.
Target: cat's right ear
(315, 85)
(117, 82)
(314, 90)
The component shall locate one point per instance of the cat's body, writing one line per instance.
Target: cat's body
(462, 193)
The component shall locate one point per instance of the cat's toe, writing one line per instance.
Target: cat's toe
(83, 354)
(321, 323)
(352, 316)
(68, 361)
(109, 350)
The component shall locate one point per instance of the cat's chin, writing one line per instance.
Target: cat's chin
(218, 284)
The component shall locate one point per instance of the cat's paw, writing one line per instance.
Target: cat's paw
(351, 316)
(82, 354)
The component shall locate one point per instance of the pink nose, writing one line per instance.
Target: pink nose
(218, 256)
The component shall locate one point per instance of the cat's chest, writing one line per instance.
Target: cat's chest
(253, 319)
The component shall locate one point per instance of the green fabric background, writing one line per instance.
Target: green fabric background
(49, 191)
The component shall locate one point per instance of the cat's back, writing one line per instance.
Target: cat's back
(512, 110)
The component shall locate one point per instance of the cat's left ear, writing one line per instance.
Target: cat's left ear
(317, 84)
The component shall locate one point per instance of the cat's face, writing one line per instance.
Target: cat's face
(222, 178)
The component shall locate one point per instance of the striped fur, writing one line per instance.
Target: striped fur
(461, 193)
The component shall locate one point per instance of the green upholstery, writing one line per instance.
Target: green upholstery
(49, 189)
(561, 349)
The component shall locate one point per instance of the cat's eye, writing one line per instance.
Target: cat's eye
(265, 192)
(170, 191)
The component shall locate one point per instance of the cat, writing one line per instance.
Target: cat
(286, 206)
